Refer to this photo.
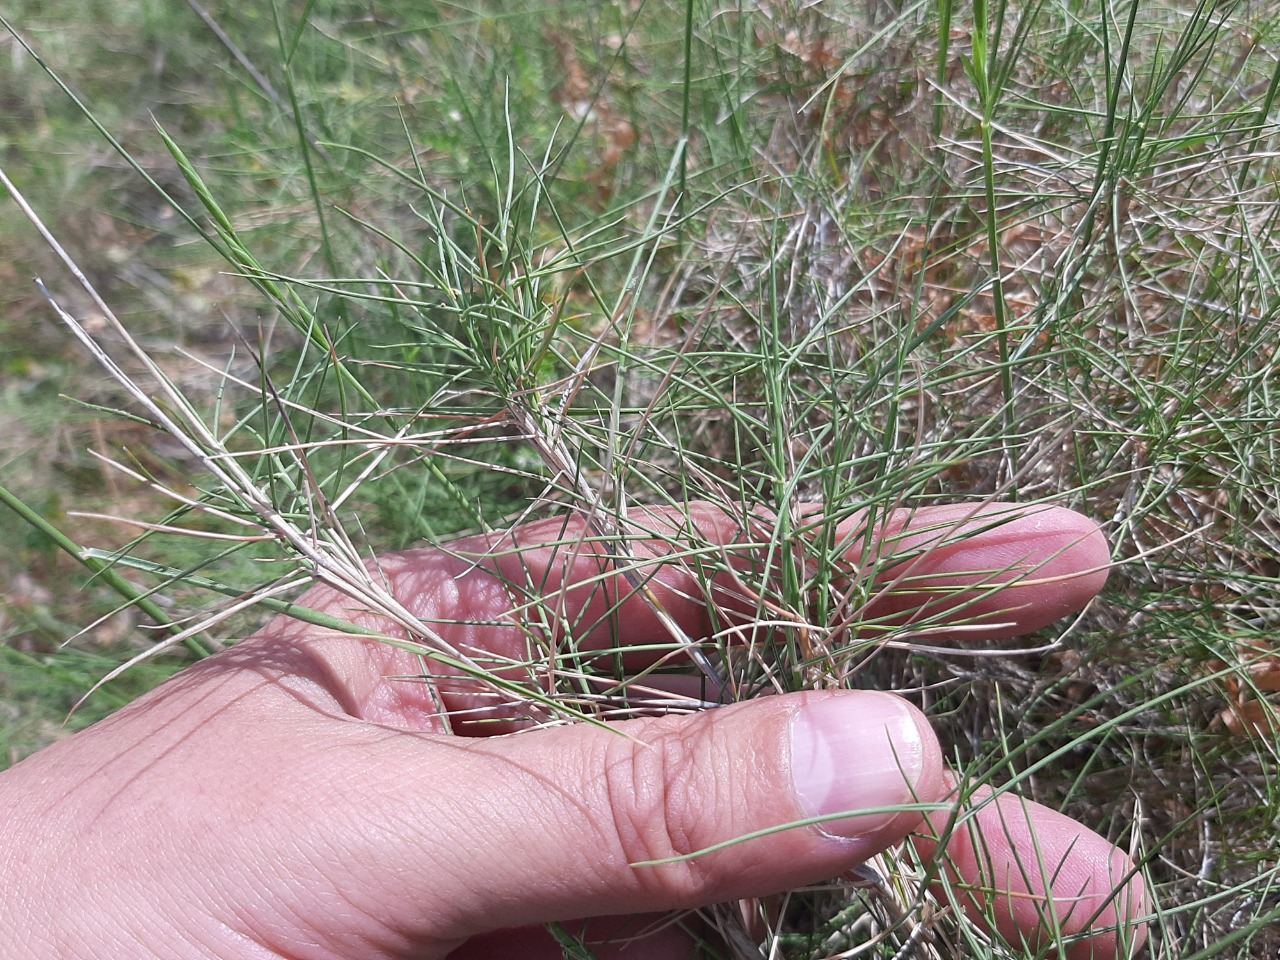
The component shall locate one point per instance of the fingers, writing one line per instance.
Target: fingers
(1012, 568)
(445, 839)
(513, 597)
(1003, 569)
(1040, 877)
(575, 821)
(987, 568)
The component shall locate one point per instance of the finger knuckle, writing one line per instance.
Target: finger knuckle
(659, 798)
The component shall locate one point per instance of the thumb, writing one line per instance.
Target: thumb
(567, 822)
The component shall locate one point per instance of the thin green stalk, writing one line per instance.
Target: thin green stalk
(1106, 143)
(944, 59)
(100, 568)
(304, 142)
(686, 99)
(983, 68)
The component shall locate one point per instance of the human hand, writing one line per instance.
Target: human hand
(291, 798)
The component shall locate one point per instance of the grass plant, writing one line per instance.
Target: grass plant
(341, 277)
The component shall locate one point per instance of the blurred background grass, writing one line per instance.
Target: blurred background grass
(876, 253)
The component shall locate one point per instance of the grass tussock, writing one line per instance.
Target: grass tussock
(383, 274)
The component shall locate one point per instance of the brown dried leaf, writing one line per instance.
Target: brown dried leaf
(1256, 718)
(1265, 675)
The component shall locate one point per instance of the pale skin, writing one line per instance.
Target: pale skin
(290, 798)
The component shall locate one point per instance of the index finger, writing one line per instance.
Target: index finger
(998, 568)
(557, 590)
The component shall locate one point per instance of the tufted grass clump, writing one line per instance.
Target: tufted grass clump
(323, 282)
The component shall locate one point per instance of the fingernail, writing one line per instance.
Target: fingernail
(855, 751)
